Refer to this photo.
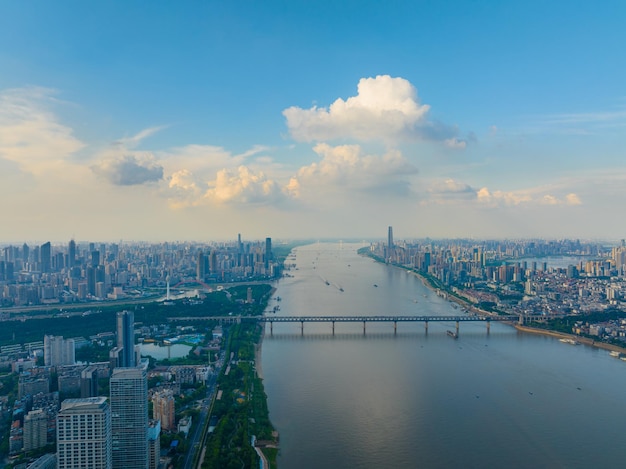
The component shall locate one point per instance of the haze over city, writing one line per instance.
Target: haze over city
(201, 120)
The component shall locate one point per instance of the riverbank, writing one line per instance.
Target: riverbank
(526, 329)
(577, 338)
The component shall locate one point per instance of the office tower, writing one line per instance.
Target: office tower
(84, 434)
(25, 252)
(213, 262)
(71, 254)
(95, 258)
(35, 430)
(89, 382)
(91, 280)
(268, 252)
(201, 266)
(126, 337)
(45, 253)
(163, 409)
(58, 351)
(154, 444)
(129, 422)
(390, 242)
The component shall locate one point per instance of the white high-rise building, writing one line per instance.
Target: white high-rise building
(58, 351)
(84, 434)
(35, 430)
(129, 418)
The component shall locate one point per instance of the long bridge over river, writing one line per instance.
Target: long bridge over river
(271, 319)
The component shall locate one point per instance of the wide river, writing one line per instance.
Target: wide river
(416, 399)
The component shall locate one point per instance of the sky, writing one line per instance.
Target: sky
(199, 120)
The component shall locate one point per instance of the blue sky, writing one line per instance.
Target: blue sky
(200, 120)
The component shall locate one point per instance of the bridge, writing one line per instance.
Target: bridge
(361, 319)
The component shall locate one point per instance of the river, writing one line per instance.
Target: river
(417, 399)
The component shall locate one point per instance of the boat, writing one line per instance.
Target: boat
(615, 353)
(454, 335)
(376, 285)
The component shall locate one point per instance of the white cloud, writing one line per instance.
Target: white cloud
(535, 196)
(243, 186)
(132, 142)
(572, 199)
(347, 167)
(385, 108)
(30, 133)
(130, 170)
(450, 189)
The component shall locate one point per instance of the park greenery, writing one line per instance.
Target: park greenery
(242, 410)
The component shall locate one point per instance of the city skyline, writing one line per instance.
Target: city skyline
(200, 121)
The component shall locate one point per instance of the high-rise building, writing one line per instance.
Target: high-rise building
(154, 444)
(71, 254)
(84, 434)
(390, 247)
(129, 421)
(58, 351)
(163, 409)
(126, 337)
(268, 252)
(201, 267)
(89, 381)
(35, 429)
(45, 253)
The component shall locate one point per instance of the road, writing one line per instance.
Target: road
(195, 442)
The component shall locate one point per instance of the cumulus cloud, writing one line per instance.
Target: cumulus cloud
(510, 198)
(385, 108)
(130, 170)
(346, 166)
(243, 186)
(31, 134)
(451, 189)
(573, 199)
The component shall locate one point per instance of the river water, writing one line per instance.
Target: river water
(416, 399)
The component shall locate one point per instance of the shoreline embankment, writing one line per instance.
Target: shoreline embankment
(524, 329)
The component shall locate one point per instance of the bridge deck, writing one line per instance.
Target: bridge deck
(374, 318)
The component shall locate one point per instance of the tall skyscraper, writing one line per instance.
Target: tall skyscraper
(126, 337)
(268, 252)
(71, 254)
(201, 267)
(129, 421)
(45, 253)
(390, 247)
(84, 434)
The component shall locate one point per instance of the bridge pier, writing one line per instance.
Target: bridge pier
(363, 327)
(457, 328)
(333, 327)
(271, 327)
(301, 327)
(426, 327)
(395, 327)
(488, 326)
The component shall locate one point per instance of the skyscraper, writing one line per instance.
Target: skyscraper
(45, 253)
(390, 248)
(84, 434)
(268, 252)
(129, 418)
(71, 254)
(126, 337)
